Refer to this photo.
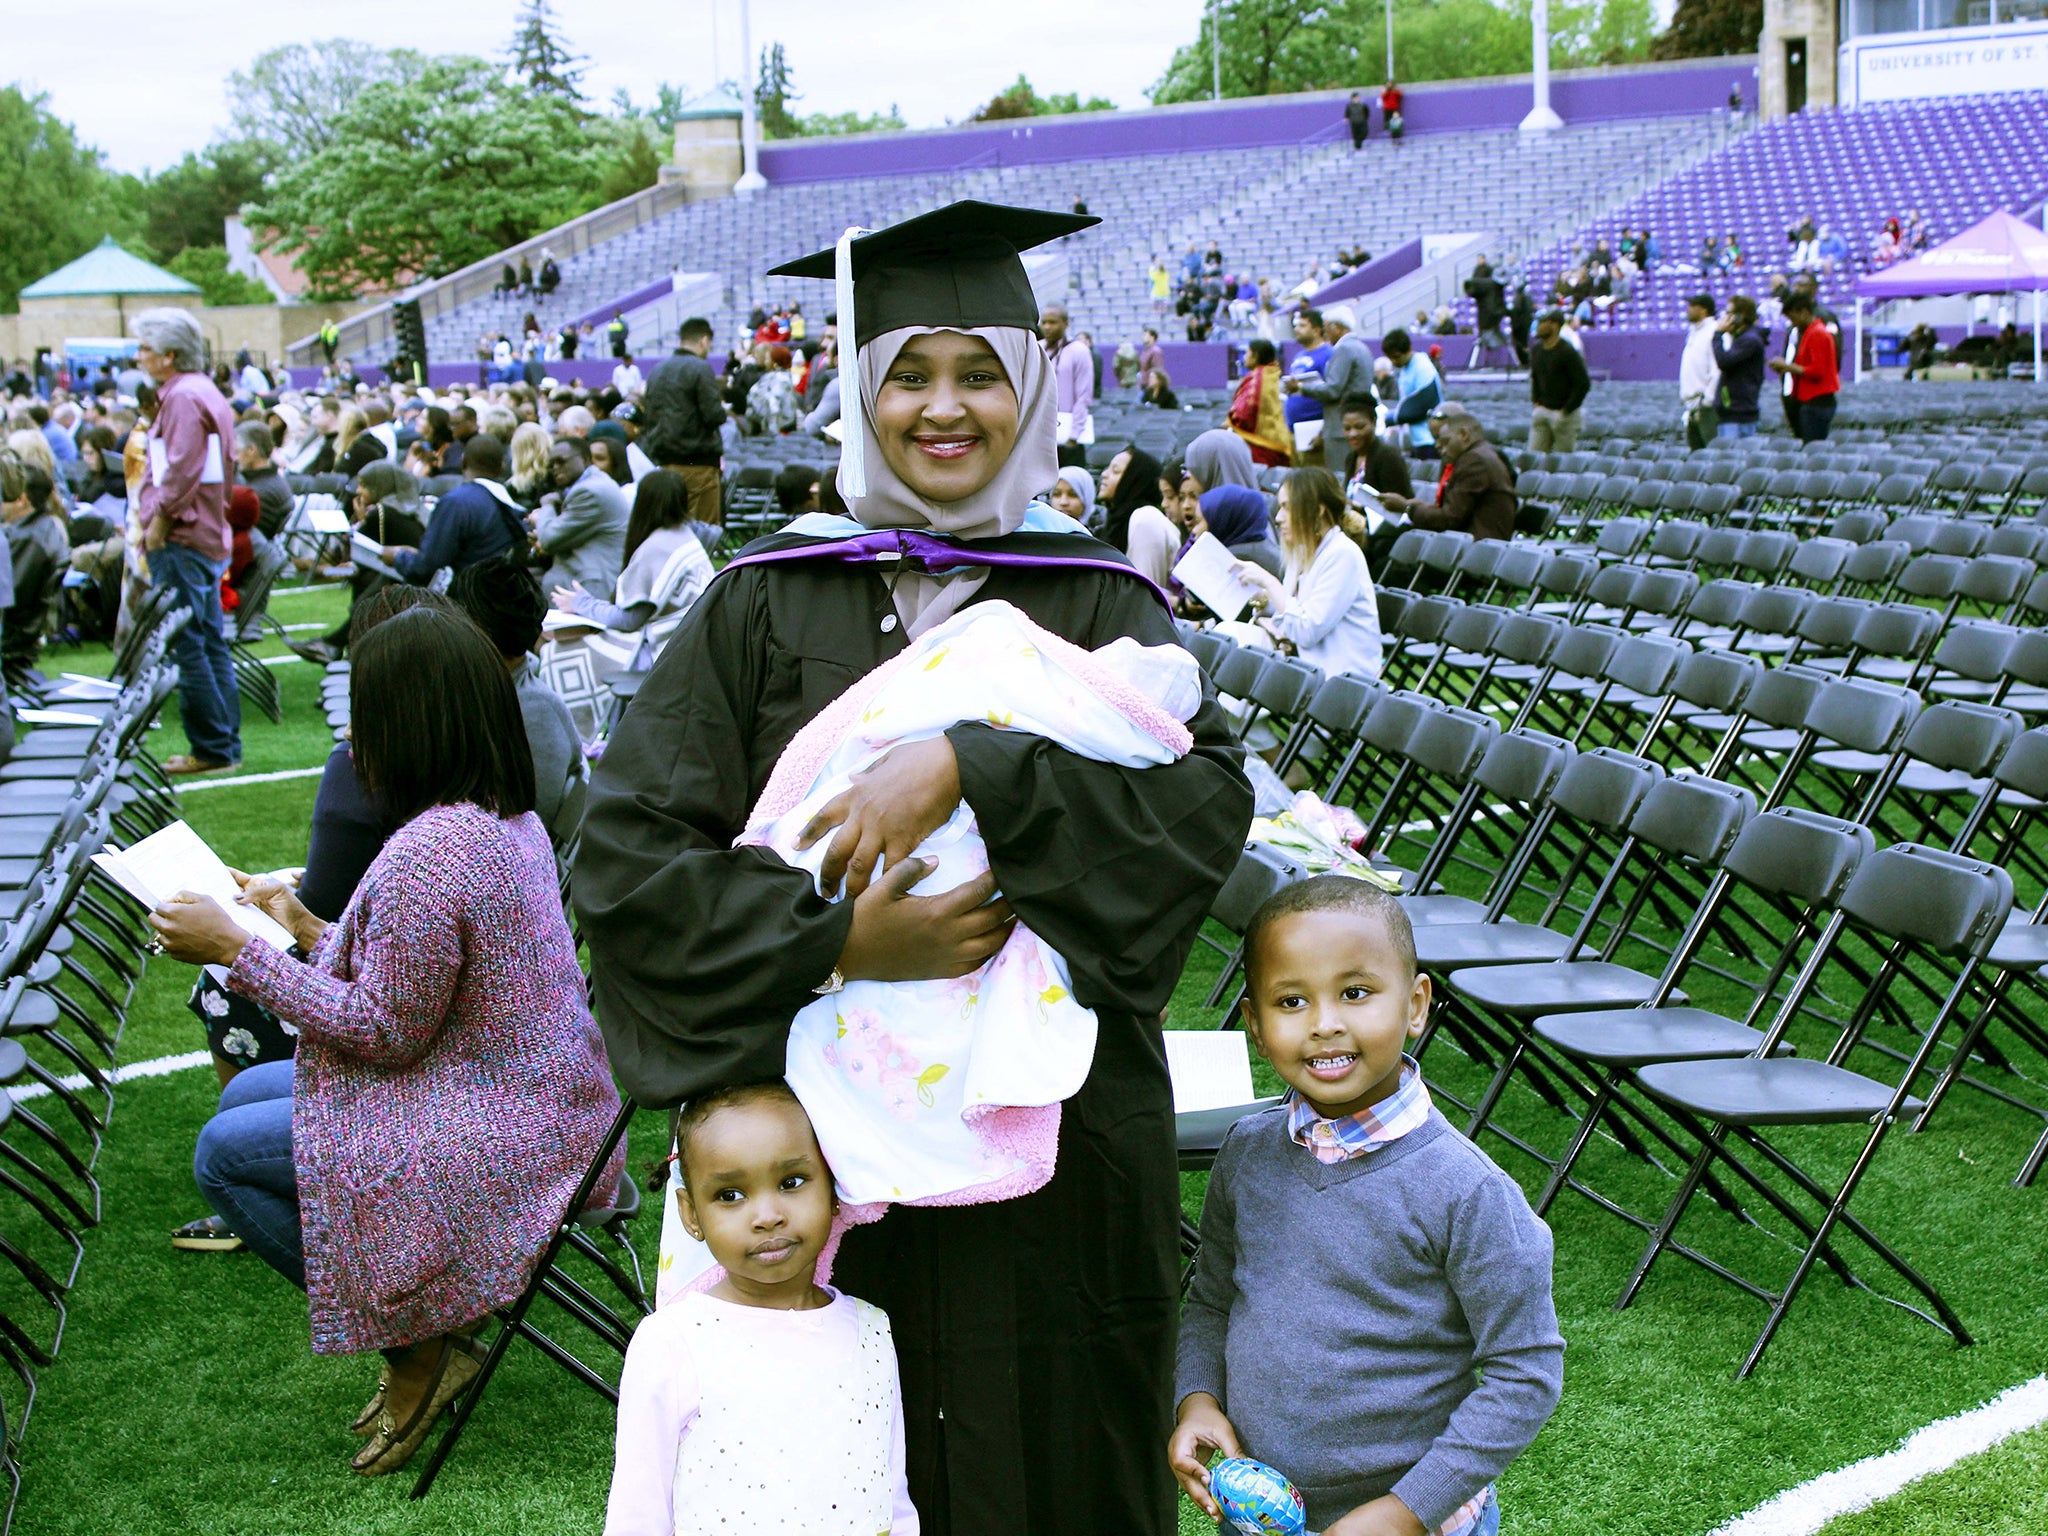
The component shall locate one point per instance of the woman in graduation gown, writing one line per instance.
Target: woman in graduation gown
(1035, 1336)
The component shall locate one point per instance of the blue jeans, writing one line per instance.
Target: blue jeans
(1736, 429)
(244, 1166)
(208, 697)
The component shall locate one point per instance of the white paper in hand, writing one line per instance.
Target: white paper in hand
(327, 520)
(1210, 1068)
(370, 554)
(1209, 570)
(177, 859)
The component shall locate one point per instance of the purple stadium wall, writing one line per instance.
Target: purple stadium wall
(1593, 95)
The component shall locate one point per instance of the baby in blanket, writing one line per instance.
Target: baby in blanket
(948, 1092)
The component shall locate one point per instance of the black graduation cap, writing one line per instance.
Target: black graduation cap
(956, 266)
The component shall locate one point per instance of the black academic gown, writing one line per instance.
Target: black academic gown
(1034, 1336)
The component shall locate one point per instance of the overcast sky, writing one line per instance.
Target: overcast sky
(145, 84)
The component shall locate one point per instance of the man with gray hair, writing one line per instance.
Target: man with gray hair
(183, 506)
(1477, 493)
(1346, 380)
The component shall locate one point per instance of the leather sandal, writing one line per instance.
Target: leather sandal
(185, 763)
(395, 1444)
(365, 1424)
(209, 1234)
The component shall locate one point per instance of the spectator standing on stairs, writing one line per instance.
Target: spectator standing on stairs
(616, 333)
(1346, 377)
(1558, 386)
(1358, 118)
(1073, 369)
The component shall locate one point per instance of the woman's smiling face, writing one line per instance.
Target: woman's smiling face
(946, 415)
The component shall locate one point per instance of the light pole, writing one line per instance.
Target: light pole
(1215, 50)
(1541, 119)
(751, 179)
(1390, 39)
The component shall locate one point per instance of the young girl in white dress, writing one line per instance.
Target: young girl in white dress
(767, 1402)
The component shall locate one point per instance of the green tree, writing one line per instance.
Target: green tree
(56, 199)
(1020, 100)
(823, 124)
(541, 56)
(663, 113)
(420, 178)
(291, 96)
(634, 159)
(187, 204)
(1708, 28)
(774, 90)
(207, 265)
(1270, 46)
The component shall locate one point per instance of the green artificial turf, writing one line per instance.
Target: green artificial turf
(185, 1398)
(2003, 1492)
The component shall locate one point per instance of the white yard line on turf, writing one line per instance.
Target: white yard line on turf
(160, 1067)
(1803, 1510)
(252, 778)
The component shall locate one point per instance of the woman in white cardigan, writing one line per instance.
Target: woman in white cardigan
(1325, 608)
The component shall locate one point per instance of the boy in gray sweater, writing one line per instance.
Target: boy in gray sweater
(1371, 1310)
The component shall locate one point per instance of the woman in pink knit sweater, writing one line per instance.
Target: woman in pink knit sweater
(450, 1085)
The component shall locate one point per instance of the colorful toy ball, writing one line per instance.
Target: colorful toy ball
(1255, 1499)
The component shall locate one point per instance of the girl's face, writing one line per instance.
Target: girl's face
(757, 1193)
(946, 415)
(1113, 475)
(1066, 499)
(1281, 518)
(1190, 513)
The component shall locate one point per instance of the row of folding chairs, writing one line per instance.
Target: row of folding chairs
(72, 950)
(1575, 825)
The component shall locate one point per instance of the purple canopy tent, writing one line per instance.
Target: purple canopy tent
(1999, 254)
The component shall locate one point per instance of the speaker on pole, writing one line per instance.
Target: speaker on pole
(412, 341)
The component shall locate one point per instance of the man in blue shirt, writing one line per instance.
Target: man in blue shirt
(1304, 410)
(472, 523)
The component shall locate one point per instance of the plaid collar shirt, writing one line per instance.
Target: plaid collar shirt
(1337, 1141)
(1380, 1125)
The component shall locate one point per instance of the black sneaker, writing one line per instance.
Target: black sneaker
(209, 1234)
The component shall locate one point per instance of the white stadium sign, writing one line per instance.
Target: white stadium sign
(1964, 62)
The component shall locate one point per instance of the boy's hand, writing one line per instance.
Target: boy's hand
(1199, 1432)
(1386, 1516)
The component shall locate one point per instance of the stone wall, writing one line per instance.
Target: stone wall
(263, 328)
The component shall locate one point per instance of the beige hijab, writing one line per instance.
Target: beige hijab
(996, 509)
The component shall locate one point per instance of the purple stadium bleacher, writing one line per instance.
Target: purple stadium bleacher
(1954, 161)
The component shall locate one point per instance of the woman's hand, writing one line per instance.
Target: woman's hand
(280, 903)
(1201, 1431)
(197, 930)
(1264, 587)
(886, 812)
(900, 937)
(1384, 1516)
(565, 597)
